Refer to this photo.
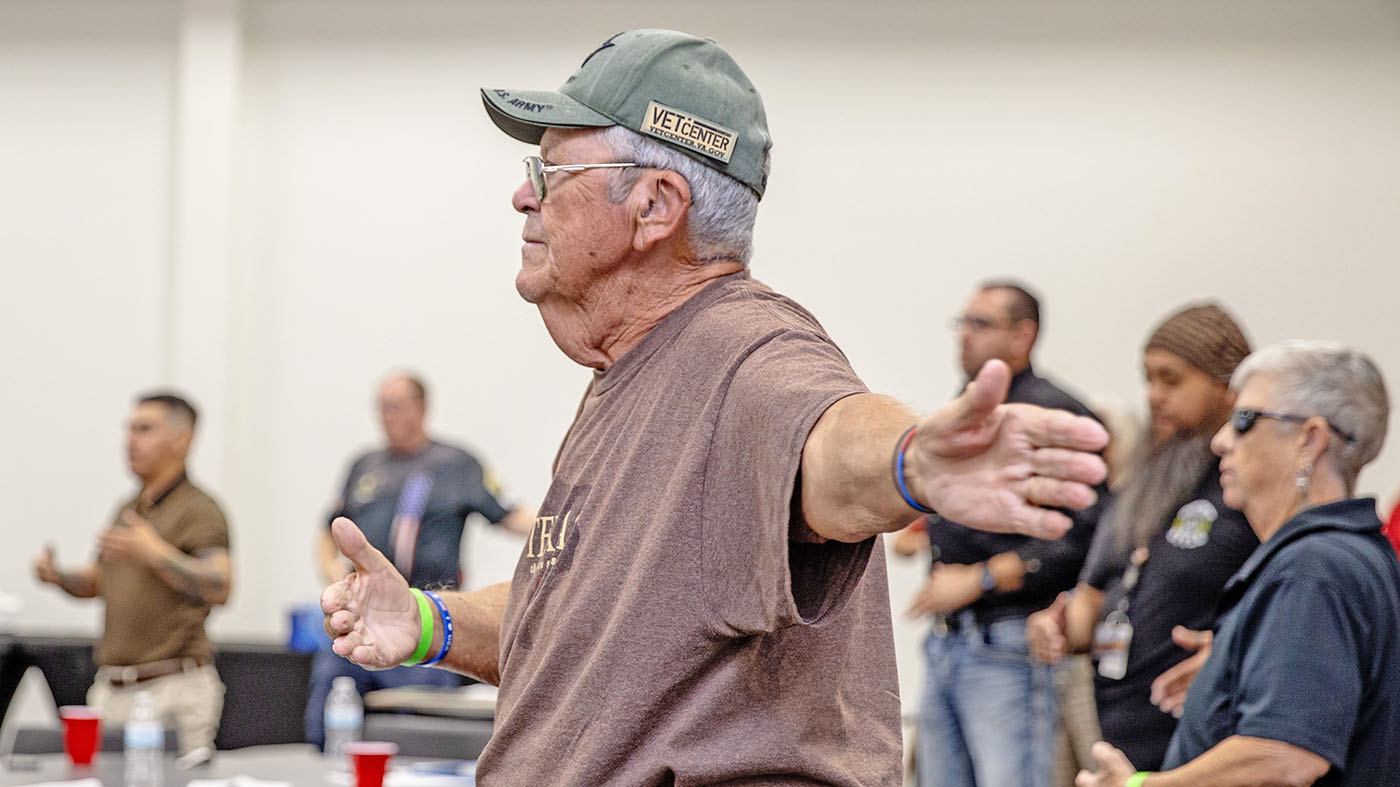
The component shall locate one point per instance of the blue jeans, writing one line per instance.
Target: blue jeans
(988, 713)
(327, 667)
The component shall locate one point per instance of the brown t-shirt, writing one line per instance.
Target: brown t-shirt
(146, 619)
(662, 627)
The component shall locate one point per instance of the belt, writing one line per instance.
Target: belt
(967, 619)
(133, 674)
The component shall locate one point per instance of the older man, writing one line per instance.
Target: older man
(703, 597)
(1167, 544)
(161, 565)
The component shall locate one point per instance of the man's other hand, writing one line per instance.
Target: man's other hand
(1114, 768)
(996, 466)
(1045, 631)
(370, 614)
(1169, 689)
(44, 567)
(133, 540)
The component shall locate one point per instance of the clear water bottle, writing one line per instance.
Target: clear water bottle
(345, 716)
(144, 739)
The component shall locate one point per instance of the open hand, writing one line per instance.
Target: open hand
(370, 614)
(1169, 689)
(996, 466)
(133, 540)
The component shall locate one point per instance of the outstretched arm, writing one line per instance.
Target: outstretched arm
(80, 582)
(1237, 761)
(375, 623)
(977, 461)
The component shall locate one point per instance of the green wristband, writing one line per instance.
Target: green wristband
(1137, 779)
(425, 637)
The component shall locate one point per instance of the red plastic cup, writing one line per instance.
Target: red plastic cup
(82, 730)
(370, 760)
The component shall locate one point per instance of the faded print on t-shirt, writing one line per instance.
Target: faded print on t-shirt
(661, 627)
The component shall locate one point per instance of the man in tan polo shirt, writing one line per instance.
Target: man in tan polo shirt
(160, 566)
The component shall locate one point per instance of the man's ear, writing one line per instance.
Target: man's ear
(660, 205)
(183, 439)
(1025, 332)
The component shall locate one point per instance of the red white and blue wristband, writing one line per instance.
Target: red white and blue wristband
(898, 468)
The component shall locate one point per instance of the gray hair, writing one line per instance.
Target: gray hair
(1336, 382)
(722, 210)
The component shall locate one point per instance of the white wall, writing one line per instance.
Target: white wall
(1122, 157)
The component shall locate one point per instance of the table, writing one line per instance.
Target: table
(263, 704)
(296, 763)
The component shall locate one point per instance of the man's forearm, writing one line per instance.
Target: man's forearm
(848, 489)
(476, 638)
(78, 584)
(204, 579)
(1080, 617)
(1240, 761)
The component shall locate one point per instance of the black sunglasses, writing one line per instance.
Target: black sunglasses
(1243, 420)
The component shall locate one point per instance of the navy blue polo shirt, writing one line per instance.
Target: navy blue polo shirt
(1308, 650)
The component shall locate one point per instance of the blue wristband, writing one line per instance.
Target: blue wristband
(446, 629)
(899, 449)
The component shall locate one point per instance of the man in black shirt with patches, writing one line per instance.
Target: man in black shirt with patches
(412, 498)
(1165, 547)
(988, 710)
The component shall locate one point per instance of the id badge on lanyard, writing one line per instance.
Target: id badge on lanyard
(1111, 640)
(1114, 635)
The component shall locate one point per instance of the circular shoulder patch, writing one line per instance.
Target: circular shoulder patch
(1191, 527)
(365, 488)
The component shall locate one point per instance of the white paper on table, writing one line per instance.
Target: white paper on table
(237, 781)
(398, 777)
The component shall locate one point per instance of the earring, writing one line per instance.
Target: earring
(1304, 478)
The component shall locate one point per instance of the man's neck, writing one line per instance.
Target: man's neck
(620, 312)
(160, 481)
(410, 447)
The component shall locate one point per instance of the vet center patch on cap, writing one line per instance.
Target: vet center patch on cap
(679, 89)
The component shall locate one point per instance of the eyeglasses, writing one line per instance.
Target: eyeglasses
(536, 169)
(975, 324)
(1243, 420)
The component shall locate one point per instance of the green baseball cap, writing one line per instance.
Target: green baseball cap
(679, 89)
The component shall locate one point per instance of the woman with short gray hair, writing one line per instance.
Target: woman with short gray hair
(1300, 685)
(1339, 384)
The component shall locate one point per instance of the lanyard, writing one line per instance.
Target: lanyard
(1130, 579)
(1113, 637)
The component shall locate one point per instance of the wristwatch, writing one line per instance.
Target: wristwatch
(989, 582)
